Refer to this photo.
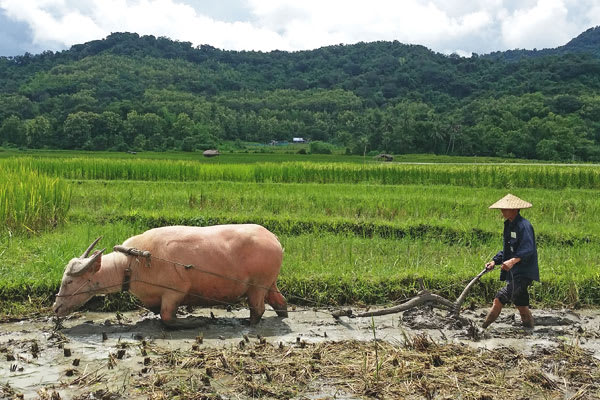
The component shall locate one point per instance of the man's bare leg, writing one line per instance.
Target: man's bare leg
(526, 317)
(493, 313)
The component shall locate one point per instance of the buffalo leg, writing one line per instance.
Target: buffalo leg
(168, 308)
(276, 300)
(256, 302)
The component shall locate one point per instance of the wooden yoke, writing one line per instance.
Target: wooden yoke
(132, 251)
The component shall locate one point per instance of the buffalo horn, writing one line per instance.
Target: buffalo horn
(87, 252)
(81, 269)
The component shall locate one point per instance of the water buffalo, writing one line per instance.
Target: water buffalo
(212, 265)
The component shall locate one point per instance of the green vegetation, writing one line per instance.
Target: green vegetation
(135, 93)
(327, 268)
(587, 42)
(30, 200)
(308, 172)
(253, 153)
(436, 211)
(349, 240)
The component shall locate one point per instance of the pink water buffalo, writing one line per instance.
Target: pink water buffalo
(213, 265)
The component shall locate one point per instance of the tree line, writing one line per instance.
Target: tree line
(146, 93)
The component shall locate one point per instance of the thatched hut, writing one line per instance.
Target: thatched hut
(211, 153)
(384, 157)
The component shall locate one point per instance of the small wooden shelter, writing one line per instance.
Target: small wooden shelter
(385, 157)
(211, 153)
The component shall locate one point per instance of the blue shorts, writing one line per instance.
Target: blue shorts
(515, 292)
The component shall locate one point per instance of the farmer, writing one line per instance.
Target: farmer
(518, 260)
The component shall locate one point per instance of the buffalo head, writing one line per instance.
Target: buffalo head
(77, 287)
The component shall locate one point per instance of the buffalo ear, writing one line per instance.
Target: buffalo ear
(97, 260)
(79, 268)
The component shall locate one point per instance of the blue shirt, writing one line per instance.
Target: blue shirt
(519, 241)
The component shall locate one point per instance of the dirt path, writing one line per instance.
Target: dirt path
(99, 355)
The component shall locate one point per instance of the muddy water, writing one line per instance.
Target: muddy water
(100, 352)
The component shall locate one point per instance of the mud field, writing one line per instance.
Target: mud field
(310, 355)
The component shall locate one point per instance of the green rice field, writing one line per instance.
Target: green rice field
(472, 175)
(354, 232)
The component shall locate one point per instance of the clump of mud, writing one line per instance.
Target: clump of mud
(433, 318)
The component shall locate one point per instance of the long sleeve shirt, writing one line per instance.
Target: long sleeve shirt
(519, 241)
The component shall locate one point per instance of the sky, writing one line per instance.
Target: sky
(445, 26)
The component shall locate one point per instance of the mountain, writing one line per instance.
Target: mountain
(587, 42)
(154, 93)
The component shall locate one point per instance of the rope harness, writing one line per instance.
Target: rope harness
(132, 251)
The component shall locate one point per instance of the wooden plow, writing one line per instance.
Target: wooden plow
(424, 297)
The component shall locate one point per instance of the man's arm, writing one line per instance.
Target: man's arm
(496, 260)
(508, 264)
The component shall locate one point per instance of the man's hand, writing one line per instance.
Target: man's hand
(508, 264)
(490, 265)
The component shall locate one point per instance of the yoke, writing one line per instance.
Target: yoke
(132, 251)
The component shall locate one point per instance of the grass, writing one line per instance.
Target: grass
(257, 153)
(352, 234)
(327, 268)
(386, 210)
(505, 176)
(31, 201)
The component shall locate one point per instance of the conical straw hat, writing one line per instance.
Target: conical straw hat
(510, 202)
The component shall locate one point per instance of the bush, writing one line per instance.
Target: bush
(188, 144)
(319, 148)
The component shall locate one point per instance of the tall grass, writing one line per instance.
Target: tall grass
(31, 201)
(362, 209)
(505, 176)
(328, 268)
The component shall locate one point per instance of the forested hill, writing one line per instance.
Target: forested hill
(128, 91)
(588, 43)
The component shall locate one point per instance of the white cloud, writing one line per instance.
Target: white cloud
(320, 23)
(593, 15)
(60, 25)
(477, 25)
(546, 24)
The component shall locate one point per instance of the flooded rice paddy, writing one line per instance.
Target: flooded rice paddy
(310, 355)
